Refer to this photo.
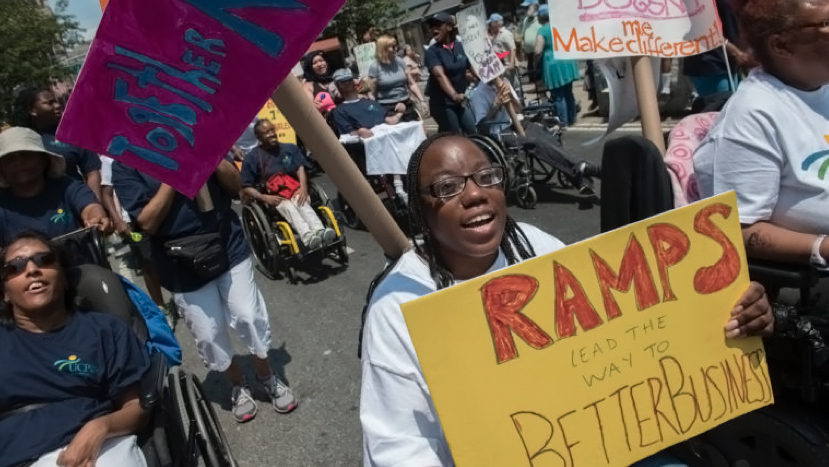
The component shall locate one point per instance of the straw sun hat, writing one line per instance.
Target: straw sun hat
(20, 139)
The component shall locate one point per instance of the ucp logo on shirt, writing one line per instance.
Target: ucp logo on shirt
(75, 366)
(62, 216)
(821, 173)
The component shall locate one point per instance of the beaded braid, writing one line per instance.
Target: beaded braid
(514, 239)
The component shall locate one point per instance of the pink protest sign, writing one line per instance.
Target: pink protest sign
(169, 85)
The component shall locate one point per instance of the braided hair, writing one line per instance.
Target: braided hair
(514, 243)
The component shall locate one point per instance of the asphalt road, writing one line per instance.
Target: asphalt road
(315, 326)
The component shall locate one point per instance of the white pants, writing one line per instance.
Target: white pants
(115, 452)
(302, 218)
(231, 300)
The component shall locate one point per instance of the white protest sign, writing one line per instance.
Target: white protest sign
(613, 28)
(365, 55)
(471, 25)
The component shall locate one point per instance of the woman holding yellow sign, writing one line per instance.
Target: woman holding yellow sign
(458, 201)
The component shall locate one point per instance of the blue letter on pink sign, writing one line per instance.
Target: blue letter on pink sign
(270, 42)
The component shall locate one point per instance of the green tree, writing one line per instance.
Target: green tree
(357, 16)
(32, 41)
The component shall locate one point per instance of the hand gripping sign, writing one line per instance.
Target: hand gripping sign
(168, 85)
(599, 354)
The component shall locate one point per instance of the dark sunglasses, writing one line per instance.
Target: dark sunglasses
(17, 266)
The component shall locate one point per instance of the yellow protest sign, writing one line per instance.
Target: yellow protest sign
(599, 354)
(284, 131)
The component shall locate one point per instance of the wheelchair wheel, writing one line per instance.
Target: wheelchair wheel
(540, 171)
(186, 453)
(211, 435)
(772, 436)
(563, 181)
(526, 196)
(351, 219)
(259, 234)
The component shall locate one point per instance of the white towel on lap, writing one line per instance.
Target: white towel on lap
(391, 147)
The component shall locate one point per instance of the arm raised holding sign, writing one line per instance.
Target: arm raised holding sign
(458, 201)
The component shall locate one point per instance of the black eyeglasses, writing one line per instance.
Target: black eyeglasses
(453, 186)
(16, 266)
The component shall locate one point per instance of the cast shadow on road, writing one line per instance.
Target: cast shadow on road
(217, 387)
(549, 193)
(316, 271)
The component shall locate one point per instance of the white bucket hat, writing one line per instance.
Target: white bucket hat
(19, 139)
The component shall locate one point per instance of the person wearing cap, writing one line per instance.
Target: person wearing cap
(35, 192)
(448, 64)
(356, 115)
(503, 42)
(529, 31)
(39, 110)
(558, 75)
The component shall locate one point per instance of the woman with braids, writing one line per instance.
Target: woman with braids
(458, 203)
(771, 141)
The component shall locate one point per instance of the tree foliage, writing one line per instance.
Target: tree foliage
(32, 42)
(357, 16)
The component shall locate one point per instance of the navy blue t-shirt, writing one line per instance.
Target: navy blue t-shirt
(260, 165)
(353, 115)
(55, 211)
(454, 62)
(79, 370)
(79, 161)
(136, 189)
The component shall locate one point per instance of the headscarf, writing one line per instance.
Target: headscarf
(308, 71)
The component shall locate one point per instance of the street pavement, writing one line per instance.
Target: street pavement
(315, 327)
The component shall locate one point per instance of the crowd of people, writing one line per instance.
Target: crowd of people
(769, 144)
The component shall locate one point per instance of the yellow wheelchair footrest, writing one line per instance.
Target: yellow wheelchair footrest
(326, 211)
(290, 239)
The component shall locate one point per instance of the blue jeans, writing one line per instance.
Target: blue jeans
(565, 102)
(452, 118)
(660, 459)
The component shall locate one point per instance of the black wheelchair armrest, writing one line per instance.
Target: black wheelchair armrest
(779, 275)
(152, 384)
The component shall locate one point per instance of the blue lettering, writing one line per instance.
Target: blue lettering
(144, 116)
(192, 36)
(120, 144)
(268, 41)
(147, 76)
(189, 59)
(193, 77)
(179, 111)
(162, 139)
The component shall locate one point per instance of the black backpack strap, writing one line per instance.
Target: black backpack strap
(371, 288)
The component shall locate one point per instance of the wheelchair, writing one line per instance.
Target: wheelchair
(183, 430)
(383, 187)
(794, 431)
(277, 251)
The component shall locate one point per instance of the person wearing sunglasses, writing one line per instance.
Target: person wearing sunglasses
(770, 143)
(70, 378)
(460, 207)
(35, 192)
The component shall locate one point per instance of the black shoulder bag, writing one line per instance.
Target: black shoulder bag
(202, 255)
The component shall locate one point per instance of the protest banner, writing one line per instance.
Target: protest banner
(656, 28)
(171, 82)
(284, 131)
(602, 353)
(478, 47)
(364, 54)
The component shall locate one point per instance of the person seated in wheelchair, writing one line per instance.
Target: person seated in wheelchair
(70, 392)
(36, 193)
(459, 204)
(770, 141)
(357, 116)
(274, 174)
(489, 105)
